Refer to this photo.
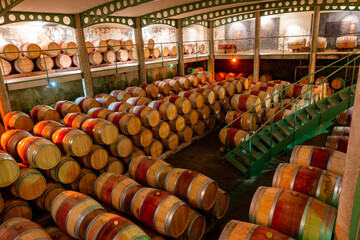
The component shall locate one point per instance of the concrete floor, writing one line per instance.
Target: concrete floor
(204, 156)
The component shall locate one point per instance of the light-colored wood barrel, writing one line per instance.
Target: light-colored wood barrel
(30, 184)
(75, 120)
(210, 122)
(245, 102)
(57, 234)
(230, 75)
(323, 158)
(220, 76)
(209, 95)
(138, 101)
(265, 78)
(164, 87)
(128, 124)
(194, 188)
(184, 82)
(168, 110)
(149, 171)
(196, 227)
(38, 152)
(149, 117)
(89, 47)
(162, 130)
(127, 44)
(120, 106)
(168, 215)
(121, 95)
(196, 99)
(66, 171)
(73, 211)
(72, 141)
(155, 149)
(245, 121)
(108, 226)
(296, 43)
(149, 43)
(21, 228)
(10, 139)
(102, 131)
(114, 45)
(109, 56)
(122, 56)
(220, 206)
(46, 129)
(105, 99)
(155, 53)
(171, 142)
(30, 50)
(186, 134)
(237, 230)
(68, 47)
(178, 124)
(47, 197)
(204, 112)
(339, 143)
(192, 117)
(232, 137)
(63, 61)
(194, 81)
(182, 104)
(147, 53)
(15, 208)
(315, 182)
(292, 213)
(151, 90)
(143, 138)
(65, 107)
(43, 112)
(341, 131)
(10, 170)
(135, 153)
(51, 49)
(85, 182)
(114, 165)
(133, 55)
(237, 84)
(97, 158)
(346, 42)
(228, 86)
(100, 45)
(337, 83)
(264, 97)
(99, 112)
(9, 52)
(86, 103)
(165, 51)
(23, 65)
(343, 119)
(174, 85)
(5, 67)
(225, 103)
(173, 51)
(136, 91)
(116, 190)
(219, 91)
(199, 128)
(122, 147)
(96, 58)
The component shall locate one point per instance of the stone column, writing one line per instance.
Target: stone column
(180, 41)
(140, 50)
(211, 61)
(257, 47)
(314, 42)
(83, 58)
(4, 98)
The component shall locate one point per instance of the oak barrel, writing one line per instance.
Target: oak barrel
(96, 58)
(122, 56)
(232, 137)
(341, 131)
(65, 107)
(9, 52)
(155, 149)
(85, 182)
(346, 42)
(162, 130)
(209, 95)
(178, 124)
(168, 111)
(138, 101)
(186, 134)
(164, 87)
(219, 91)
(47, 197)
(114, 45)
(192, 117)
(136, 91)
(99, 112)
(43, 112)
(245, 102)
(196, 227)
(122, 147)
(89, 47)
(51, 49)
(66, 171)
(149, 117)
(75, 120)
(21, 228)
(13, 208)
(182, 104)
(86, 103)
(196, 99)
(68, 47)
(105, 99)
(135, 153)
(44, 63)
(343, 119)
(109, 56)
(10, 170)
(46, 129)
(199, 127)
(220, 206)
(102, 131)
(171, 142)
(174, 85)
(100, 45)
(128, 124)
(120, 106)
(10, 139)
(242, 120)
(339, 143)
(5, 67)
(63, 61)
(121, 95)
(151, 90)
(114, 165)
(143, 138)
(97, 158)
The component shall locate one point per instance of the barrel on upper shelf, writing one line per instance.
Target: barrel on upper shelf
(30, 50)
(346, 42)
(9, 52)
(297, 43)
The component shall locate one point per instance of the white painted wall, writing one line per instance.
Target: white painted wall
(295, 23)
(161, 33)
(194, 33)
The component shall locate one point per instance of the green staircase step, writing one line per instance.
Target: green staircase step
(333, 102)
(260, 146)
(302, 117)
(285, 128)
(344, 96)
(236, 164)
(293, 123)
(323, 108)
(264, 135)
(277, 135)
(246, 159)
(253, 153)
(312, 112)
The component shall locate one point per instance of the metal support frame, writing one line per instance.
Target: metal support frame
(314, 43)
(6, 6)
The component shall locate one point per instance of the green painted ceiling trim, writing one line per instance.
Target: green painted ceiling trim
(7, 5)
(170, 22)
(325, 4)
(185, 8)
(93, 15)
(128, 21)
(14, 17)
(189, 23)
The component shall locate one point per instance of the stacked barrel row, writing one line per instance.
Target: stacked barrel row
(198, 48)
(153, 50)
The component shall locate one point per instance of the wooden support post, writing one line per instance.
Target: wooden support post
(140, 51)
(180, 41)
(348, 221)
(257, 47)
(83, 57)
(314, 42)
(5, 106)
(211, 61)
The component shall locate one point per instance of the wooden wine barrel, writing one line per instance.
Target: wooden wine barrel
(122, 56)
(15, 208)
(9, 52)
(97, 158)
(165, 51)
(50, 193)
(46, 129)
(151, 90)
(108, 226)
(220, 206)
(135, 153)
(204, 112)
(114, 45)
(339, 143)
(85, 182)
(337, 83)
(63, 61)
(95, 58)
(30, 184)
(66, 171)
(196, 227)
(128, 123)
(225, 103)
(72, 141)
(75, 120)
(194, 81)
(215, 107)
(162, 130)
(163, 210)
(136, 92)
(138, 101)
(232, 137)
(43, 112)
(73, 211)
(192, 117)
(116, 190)
(201, 77)
(114, 165)
(188, 49)
(323, 158)
(99, 112)
(100, 45)
(89, 47)
(245, 102)
(122, 147)
(155, 149)
(164, 87)
(101, 131)
(237, 84)
(265, 78)
(314, 182)
(173, 51)
(143, 138)
(220, 76)
(194, 188)
(237, 230)
(133, 55)
(182, 104)
(186, 134)
(184, 82)
(274, 114)
(196, 99)
(109, 56)
(245, 121)
(68, 47)
(105, 99)
(174, 84)
(264, 97)
(244, 81)
(120, 106)
(160, 97)
(57, 234)
(296, 43)
(127, 44)
(51, 49)
(147, 53)
(168, 110)
(209, 95)
(21, 228)
(86, 103)
(228, 86)
(171, 142)
(149, 117)
(229, 76)
(199, 128)
(30, 50)
(10, 170)
(155, 53)
(149, 43)
(149, 171)
(5, 67)
(292, 213)
(219, 91)
(210, 123)
(276, 91)
(178, 124)
(346, 42)
(23, 65)
(65, 107)
(343, 119)
(341, 131)
(220, 117)
(10, 139)
(39, 152)
(121, 95)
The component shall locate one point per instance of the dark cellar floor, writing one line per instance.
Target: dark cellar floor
(204, 156)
